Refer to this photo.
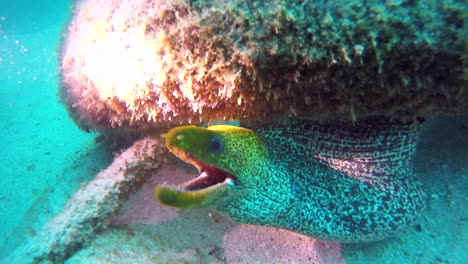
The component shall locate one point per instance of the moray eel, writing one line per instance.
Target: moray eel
(341, 182)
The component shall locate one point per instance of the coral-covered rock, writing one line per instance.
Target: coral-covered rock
(128, 63)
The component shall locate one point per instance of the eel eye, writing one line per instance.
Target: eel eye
(216, 144)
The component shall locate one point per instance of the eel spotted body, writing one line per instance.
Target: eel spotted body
(340, 182)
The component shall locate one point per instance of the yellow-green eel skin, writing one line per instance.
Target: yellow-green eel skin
(339, 182)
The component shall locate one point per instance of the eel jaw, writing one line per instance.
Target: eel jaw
(205, 190)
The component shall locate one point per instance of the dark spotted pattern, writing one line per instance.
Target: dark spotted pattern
(339, 182)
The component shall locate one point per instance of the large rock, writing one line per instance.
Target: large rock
(136, 63)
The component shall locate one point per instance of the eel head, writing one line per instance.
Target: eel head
(220, 153)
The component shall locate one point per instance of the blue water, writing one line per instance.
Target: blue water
(38, 141)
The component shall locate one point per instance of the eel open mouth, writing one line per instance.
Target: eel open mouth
(202, 191)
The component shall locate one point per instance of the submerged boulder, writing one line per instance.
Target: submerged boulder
(129, 63)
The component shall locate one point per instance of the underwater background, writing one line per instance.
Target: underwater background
(45, 158)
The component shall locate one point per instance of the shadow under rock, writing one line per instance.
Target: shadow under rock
(440, 163)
